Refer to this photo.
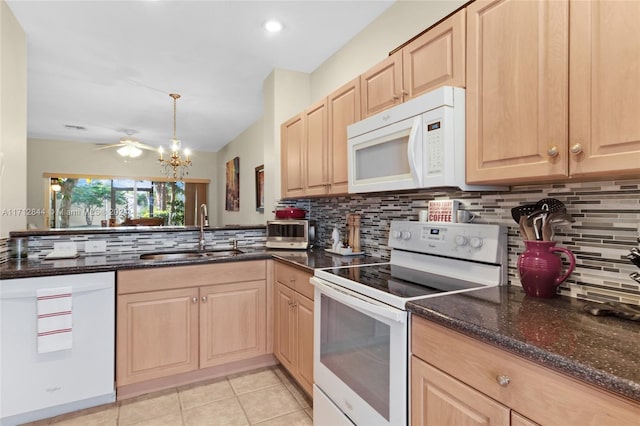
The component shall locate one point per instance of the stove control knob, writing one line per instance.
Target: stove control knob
(461, 240)
(396, 234)
(406, 235)
(475, 242)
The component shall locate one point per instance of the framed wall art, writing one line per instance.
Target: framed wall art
(260, 188)
(232, 202)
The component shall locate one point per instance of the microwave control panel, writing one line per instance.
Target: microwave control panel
(434, 145)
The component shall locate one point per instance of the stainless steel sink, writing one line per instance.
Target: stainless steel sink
(185, 255)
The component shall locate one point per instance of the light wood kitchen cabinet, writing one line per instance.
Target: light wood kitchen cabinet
(314, 145)
(439, 399)
(293, 312)
(181, 319)
(552, 90)
(529, 392)
(344, 109)
(232, 322)
(382, 85)
(292, 157)
(157, 334)
(316, 150)
(434, 59)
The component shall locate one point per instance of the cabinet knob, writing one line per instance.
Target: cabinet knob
(576, 148)
(194, 299)
(294, 305)
(204, 299)
(503, 380)
(553, 151)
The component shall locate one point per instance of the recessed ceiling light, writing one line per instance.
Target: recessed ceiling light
(273, 26)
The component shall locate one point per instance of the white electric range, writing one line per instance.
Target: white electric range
(361, 323)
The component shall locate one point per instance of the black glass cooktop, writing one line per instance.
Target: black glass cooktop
(399, 281)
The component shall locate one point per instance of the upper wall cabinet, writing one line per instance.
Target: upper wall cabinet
(314, 145)
(344, 109)
(536, 112)
(436, 58)
(292, 154)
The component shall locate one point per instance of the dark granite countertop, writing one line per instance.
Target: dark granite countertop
(308, 260)
(556, 333)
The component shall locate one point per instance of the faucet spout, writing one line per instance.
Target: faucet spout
(204, 221)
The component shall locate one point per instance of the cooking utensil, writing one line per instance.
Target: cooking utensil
(556, 218)
(551, 205)
(526, 232)
(290, 213)
(536, 221)
(523, 210)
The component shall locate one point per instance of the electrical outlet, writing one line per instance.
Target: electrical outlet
(67, 246)
(95, 247)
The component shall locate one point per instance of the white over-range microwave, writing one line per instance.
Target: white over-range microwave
(417, 144)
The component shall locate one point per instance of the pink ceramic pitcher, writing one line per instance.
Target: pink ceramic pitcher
(541, 270)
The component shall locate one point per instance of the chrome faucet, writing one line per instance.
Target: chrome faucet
(204, 221)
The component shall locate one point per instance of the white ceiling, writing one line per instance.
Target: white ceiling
(109, 66)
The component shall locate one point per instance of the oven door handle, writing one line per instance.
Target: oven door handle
(358, 301)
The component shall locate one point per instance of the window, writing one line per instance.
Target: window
(95, 202)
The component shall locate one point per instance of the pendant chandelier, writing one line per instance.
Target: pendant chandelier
(175, 166)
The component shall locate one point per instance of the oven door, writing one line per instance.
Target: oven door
(360, 356)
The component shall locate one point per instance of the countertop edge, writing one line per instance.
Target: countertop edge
(584, 373)
(126, 229)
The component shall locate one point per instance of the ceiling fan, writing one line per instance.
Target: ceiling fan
(128, 146)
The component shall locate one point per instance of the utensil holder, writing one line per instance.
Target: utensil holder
(540, 269)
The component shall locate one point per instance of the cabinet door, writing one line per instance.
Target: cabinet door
(304, 336)
(316, 150)
(517, 90)
(382, 85)
(436, 58)
(233, 322)
(157, 334)
(292, 156)
(344, 109)
(520, 420)
(604, 132)
(439, 399)
(284, 337)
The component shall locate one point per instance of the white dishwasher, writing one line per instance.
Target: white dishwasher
(37, 385)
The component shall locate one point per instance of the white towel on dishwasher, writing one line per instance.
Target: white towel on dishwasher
(55, 319)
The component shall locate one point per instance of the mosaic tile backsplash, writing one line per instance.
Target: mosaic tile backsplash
(606, 213)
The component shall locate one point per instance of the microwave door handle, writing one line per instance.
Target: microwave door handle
(353, 300)
(414, 151)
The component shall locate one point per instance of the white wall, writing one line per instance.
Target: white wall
(249, 147)
(60, 157)
(13, 123)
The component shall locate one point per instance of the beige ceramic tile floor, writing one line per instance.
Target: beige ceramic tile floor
(266, 397)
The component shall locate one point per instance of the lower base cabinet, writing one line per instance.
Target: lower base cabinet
(293, 321)
(180, 319)
(456, 379)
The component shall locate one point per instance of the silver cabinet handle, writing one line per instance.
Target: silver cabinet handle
(576, 149)
(194, 299)
(503, 380)
(204, 299)
(553, 151)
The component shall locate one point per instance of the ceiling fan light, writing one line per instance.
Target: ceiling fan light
(129, 151)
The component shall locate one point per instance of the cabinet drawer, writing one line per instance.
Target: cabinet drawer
(152, 279)
(536, 392)
(295, 279)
